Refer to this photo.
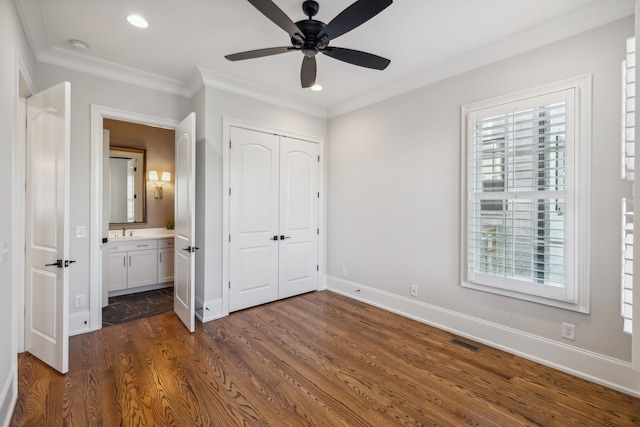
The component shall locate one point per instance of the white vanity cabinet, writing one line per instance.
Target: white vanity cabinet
(132, 264)
(165, 260)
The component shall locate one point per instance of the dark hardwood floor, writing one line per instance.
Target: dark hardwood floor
(319, 359)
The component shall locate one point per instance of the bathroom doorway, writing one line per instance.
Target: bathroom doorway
(138, 209)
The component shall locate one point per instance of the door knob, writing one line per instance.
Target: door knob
(274, 238)
(282, 237)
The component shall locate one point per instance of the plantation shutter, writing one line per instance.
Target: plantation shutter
(517, 196)
(628, 161)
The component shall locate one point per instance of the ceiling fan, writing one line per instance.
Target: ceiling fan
(312, 37)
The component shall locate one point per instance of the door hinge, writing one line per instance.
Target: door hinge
(229, 237)
(318, 194)
(229, 190)
(229, 284)
(318, 158)
(317, 268)
(229, 144)
(318, 231)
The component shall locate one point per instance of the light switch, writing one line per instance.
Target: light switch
(4, 251)
(81, 232)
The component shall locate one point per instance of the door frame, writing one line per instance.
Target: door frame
(227, 124)
(98, 113)
(24, 88)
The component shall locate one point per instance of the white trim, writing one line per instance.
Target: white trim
(79, 323)
(582, 86)
(18, 202)
(227, 123)
(240, 87)
(587, 18)
(98, 113)
(635, 337)
(9, 397)
(210, 310)
(110, 70)
(598, 368)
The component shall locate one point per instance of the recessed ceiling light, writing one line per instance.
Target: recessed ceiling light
(79, 45)
(316, 88)
(137, 21)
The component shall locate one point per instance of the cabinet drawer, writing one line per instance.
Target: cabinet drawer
(136, 245)
(165, 243)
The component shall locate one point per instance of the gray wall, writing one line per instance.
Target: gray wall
(394, 191)
(12, 45)
(86, 90)
(220, 104)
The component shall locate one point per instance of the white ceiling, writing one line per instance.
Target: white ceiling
(426, 40)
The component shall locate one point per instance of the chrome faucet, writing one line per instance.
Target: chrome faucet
(124, 231)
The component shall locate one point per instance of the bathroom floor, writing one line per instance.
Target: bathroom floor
(136, 306)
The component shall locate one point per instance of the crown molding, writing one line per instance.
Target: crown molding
(581, 20)
(576, 22)
(239, 87)
(110, 70)
(32, 17)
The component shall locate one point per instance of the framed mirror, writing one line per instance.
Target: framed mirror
(127, 185)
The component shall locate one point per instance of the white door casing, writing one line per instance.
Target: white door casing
(273, 217)
(106, 211)
(47, 226)
(184, 267)
(253, 218)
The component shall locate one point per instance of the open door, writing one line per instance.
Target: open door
(47, 226)
(184, 267)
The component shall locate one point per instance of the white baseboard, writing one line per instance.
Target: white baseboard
(598, 368)
(210, 310)
(79, 323)
(8, 397)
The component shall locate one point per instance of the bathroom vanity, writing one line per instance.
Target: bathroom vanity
(139, 262)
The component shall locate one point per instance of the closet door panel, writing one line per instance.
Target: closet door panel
(253, 218)
(298, 254)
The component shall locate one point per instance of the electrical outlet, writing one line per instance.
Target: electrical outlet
(344, 271)
(79, 301)
(414, 291)
(568, 331)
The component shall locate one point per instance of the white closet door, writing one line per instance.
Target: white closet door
(298, 252)
(253, 218)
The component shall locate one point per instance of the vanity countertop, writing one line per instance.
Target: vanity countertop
(140, 234)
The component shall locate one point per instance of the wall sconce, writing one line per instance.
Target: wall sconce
(153, 177)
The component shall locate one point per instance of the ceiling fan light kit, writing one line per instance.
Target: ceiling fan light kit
(311, 36)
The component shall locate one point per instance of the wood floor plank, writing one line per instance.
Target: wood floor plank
(319, 359)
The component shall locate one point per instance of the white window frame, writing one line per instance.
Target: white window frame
(577, 238)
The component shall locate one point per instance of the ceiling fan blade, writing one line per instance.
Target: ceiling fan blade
(357, 57)
(258, 53)
(353, 16)
(308, 71)
(278, 17)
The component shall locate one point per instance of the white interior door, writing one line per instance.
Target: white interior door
(273, 218)
(253, 219)
(298, 251)
(184, 267)
(47, 226)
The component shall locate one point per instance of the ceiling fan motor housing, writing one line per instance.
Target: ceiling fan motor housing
(310, 29)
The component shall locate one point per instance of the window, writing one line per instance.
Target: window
(628, 172)
(525, 193)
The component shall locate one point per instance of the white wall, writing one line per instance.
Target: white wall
(86, 90)
(220, 104)
(13, 45)
(394, 195)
